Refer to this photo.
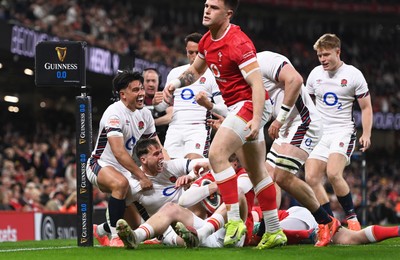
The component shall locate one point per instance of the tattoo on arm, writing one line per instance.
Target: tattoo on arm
(187, 78)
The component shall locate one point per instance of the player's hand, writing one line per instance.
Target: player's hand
(202, 99)
(201, 168)
(183, 181)
(145, 183)
(365, 142)
(215, 123)
(158, 98)
(273, 130)
(254, 127)
(168, 93)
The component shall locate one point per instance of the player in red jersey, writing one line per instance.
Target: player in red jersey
(231, 56)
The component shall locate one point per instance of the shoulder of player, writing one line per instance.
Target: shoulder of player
(170, 165)
(351, 69)
(237, 36)
(144, 112)
(178, 69)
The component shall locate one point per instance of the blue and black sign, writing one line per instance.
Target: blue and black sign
(60, 64)
(84, 187)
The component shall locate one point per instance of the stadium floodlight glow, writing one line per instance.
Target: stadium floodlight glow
(11, 99)
(13, 109)
(28, 72)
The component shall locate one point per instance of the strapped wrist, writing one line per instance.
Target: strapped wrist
(176, 83)
(283, 113)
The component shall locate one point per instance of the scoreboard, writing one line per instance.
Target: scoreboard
(60, 63)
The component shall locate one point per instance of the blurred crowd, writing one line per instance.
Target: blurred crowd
(154, 31)
(38, 170)
(38, 164)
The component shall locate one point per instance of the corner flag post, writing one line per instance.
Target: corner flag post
(63, 64)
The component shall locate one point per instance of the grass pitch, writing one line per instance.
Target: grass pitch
(68, 249)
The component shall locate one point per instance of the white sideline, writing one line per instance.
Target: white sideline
(36, 248)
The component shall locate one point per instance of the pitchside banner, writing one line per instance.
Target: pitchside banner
(84, 187)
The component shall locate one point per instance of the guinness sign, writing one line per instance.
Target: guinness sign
(60, 64)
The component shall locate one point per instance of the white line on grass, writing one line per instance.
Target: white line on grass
(39, 248)
(35, 249)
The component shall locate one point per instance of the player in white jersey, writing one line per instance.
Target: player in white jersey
(336, 86)
(161, 201)
(296, 130)
(123, 123)
(188, 135)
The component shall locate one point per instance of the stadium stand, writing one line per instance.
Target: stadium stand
(37, 154)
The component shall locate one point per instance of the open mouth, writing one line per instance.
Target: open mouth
(140, 100)
(160, 164)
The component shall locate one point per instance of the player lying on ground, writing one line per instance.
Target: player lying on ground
(299, 226)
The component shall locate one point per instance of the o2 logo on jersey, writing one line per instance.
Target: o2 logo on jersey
(188, 94)
(308, 142)
(130, 143)
(169, 191)
(215, 71)
(331, 99)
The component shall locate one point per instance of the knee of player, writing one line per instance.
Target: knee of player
(284, 178)
(334, 175)
(120, 184)
(170, 208)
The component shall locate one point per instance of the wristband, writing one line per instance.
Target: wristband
(176, 83)
(283, 113)
(161, 107)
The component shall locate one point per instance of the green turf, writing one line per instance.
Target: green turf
(55, 249)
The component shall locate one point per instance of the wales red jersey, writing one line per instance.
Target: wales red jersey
(225, 57)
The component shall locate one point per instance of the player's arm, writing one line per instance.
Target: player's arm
(118, 149)
(187, 78)
(196, 194)
(165, 119)
(218, 106)
(293, 82)
(252, 74)
(366, 120)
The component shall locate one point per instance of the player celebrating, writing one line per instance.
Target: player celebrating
(336, 86)
(231, 56)
(111, 164)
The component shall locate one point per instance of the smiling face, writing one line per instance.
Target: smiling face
(329, 58)
(153, 161)
(133, 95)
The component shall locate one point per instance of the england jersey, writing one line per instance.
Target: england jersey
(225, 57)
(186, 110)
(335, 93)
(163, 186)
(271, 65)
(118, 120)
